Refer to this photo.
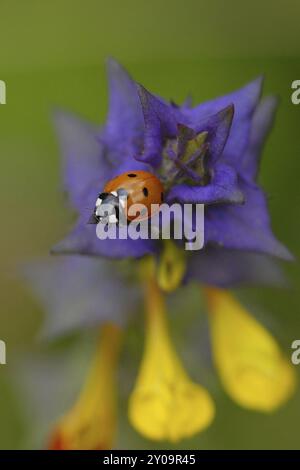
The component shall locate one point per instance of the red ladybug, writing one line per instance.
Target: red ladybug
(140, 187)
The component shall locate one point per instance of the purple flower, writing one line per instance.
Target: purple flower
(79, 292)
(225, 165)
(205, 154)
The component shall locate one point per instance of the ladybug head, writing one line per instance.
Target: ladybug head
(111, 212)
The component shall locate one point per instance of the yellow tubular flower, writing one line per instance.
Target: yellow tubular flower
(251, 366)
(91, 423)
(165, 404)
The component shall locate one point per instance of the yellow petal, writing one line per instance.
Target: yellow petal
(91, 423)
(165, 404)
(249, 361)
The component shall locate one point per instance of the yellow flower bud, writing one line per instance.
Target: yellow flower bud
(165, 403)
(251, 366)
(91, 423)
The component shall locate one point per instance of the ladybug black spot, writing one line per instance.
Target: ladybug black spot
(131, 175)
(145, 192)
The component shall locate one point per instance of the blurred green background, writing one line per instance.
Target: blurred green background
(53, 54)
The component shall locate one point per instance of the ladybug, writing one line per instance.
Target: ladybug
(138, 187)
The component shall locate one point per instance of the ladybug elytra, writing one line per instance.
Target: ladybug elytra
(138, 187)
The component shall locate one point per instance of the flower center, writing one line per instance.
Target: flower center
(184, 158)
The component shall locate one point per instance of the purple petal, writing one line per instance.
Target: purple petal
(244, 227)
(230, 268)
(218, 127)
(130, 165)
(84, 241)
(222, 188)
(262, 123)
(245, 101)
(84, 163)
(160, 123)
(125, 123)
(80, 292)
(162, 120)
